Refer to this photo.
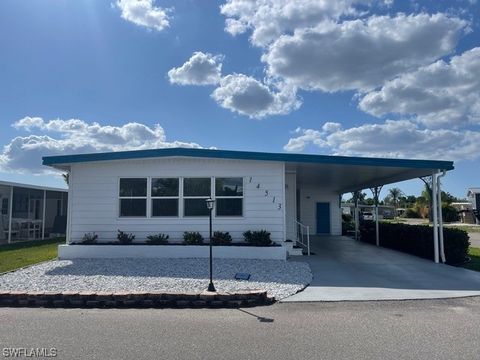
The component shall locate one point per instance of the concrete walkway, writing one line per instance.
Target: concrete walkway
(345, 269)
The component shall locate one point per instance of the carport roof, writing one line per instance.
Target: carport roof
(341, 173)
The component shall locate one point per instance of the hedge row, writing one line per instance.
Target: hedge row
(418, 240)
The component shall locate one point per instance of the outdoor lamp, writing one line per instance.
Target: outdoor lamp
(210, 203)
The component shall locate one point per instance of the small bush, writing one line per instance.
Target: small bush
(192, 238)
(257, 238)
(449, 213)
(125, 238)
(89, 238)
(157, 239)
(347, 224)
(221, 238)
(418, 240)
(412, 213)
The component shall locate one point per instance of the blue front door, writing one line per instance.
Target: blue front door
(323, 218)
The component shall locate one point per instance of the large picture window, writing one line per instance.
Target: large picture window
(165, 195)
(195, 192)
(229, 196)
(133, 197)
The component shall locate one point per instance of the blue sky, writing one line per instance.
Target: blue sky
(364, 78)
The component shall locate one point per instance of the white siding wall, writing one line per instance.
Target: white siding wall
(94, 197)
(291, 203)
(309, 196)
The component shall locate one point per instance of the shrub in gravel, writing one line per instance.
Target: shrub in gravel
(89, 238)
(192, 238)
(257, 238)
(157, 239)
(221, 238)
(125, 238)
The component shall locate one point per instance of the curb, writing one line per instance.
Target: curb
(86, 299)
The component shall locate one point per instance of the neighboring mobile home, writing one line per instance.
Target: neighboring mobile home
(164, 190)
(30, 212)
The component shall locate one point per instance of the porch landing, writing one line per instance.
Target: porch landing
(348, 270)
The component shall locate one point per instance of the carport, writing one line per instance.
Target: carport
(348, 270)
(315, 184)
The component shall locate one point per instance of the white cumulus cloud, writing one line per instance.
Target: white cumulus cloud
(443, 93)
(361, 54)
(200, 69)
(268, 19)
(248, 96)
(402, 139)
(24, 153)
(144, 13)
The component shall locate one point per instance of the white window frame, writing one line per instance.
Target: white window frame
(120, 198)
(151, 198)
(181, 197)
(185, 197)
(229, 197)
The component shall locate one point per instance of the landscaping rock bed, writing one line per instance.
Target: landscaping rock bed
(278, 278)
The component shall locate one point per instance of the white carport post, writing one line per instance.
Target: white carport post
(355, 213)
(440, 216)
(376, 193)
(435, 217)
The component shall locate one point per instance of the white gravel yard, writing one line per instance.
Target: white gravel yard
(279, 278)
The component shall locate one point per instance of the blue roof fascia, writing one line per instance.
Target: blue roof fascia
(247, 155)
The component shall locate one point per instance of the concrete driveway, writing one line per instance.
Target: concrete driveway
(345, 269)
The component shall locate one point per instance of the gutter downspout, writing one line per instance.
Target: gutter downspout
(440, 216)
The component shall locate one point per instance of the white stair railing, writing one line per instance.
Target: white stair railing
(302, 235)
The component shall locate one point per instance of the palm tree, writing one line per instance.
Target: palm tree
(66, 177)
(395, 194)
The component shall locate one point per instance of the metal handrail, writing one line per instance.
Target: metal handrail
(301, 231)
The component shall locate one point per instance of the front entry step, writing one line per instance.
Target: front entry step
(295, 251)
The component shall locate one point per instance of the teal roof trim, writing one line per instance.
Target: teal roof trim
(247, 155)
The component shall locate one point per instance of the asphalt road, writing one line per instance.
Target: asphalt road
(474, 239)
(426, 329)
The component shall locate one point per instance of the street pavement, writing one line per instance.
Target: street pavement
(474, 239)
(411, 329)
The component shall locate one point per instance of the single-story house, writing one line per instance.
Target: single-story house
(164, 191)
(473, 196)
(384, 211)
(31, 212)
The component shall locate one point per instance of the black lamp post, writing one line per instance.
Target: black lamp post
(210, 203)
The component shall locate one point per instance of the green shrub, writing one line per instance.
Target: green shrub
(89, 238)
(449, 213)
(412, 213)
(418, 240)
(125, 238)
(347, 224)
(257, 238)
(192, 238)
(221, 238)
(157, 239)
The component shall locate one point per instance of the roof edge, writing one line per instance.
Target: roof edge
(246, 155)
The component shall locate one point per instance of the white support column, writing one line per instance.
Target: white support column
(440, 217)
(68, 231)
(435, 217)
(376, 193)
(10, 214)
(43, 213)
